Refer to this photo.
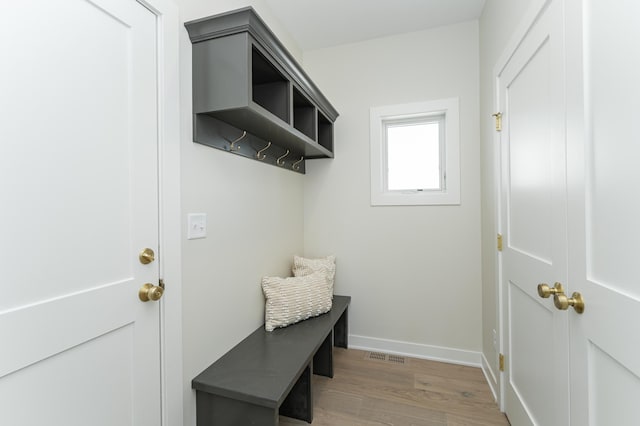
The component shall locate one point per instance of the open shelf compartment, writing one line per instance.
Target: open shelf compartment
(270, 89)
(304, 115)
(325, 132)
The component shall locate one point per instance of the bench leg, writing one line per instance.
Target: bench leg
(299, 402)
(341, 330)
(323, 358)
(214, 410)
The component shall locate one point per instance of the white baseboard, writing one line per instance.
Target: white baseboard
(490, 376)
(416, 350)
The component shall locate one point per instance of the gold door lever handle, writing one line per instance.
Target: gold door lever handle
(563, 302)
(545, 291)
(150, 292)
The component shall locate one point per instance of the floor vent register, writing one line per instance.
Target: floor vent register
(379, 356)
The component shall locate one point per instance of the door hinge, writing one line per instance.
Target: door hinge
(499, 242)
(501, 361)
(498, 117)
(161, 283)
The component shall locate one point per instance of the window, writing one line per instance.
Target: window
(414, 150)
(415, 154)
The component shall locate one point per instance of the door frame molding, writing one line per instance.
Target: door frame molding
(167, 36)
(530, 17)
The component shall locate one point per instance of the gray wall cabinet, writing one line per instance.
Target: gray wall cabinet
(247, 86)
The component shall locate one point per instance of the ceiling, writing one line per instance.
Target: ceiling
(316, 24)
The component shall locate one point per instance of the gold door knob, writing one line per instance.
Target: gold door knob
(545, 291)
(150, 292)
(146, 256)
(563, 302)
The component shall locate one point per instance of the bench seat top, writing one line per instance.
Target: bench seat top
(263, 368)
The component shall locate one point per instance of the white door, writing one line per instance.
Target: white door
(78, 202)
(605, 212)
(533, 223)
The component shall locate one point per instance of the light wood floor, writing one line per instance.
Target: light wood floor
(388, 391)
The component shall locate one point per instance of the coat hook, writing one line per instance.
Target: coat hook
(296, 165)
(233, 146)
(280, 160)
(259, 155)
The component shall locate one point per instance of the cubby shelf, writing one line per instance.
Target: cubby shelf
(243, 76)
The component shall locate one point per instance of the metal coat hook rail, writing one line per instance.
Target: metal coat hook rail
(217, 134)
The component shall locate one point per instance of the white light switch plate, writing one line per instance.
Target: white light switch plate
(196, 226)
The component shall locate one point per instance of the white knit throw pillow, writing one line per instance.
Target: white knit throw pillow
(327, 265)
(293, 299)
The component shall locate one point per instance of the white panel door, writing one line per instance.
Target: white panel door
(605, 339)
(78, 202)
(533, 223)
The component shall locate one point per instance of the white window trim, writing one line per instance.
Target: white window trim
(450, 194)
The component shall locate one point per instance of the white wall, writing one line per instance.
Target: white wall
(413, 272)
(255, 224)
(498, 22)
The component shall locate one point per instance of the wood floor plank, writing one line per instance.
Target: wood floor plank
(393, 413)
(399, 391)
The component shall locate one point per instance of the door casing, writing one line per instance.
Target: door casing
(168, 32)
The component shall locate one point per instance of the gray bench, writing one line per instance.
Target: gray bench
(269, 373)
